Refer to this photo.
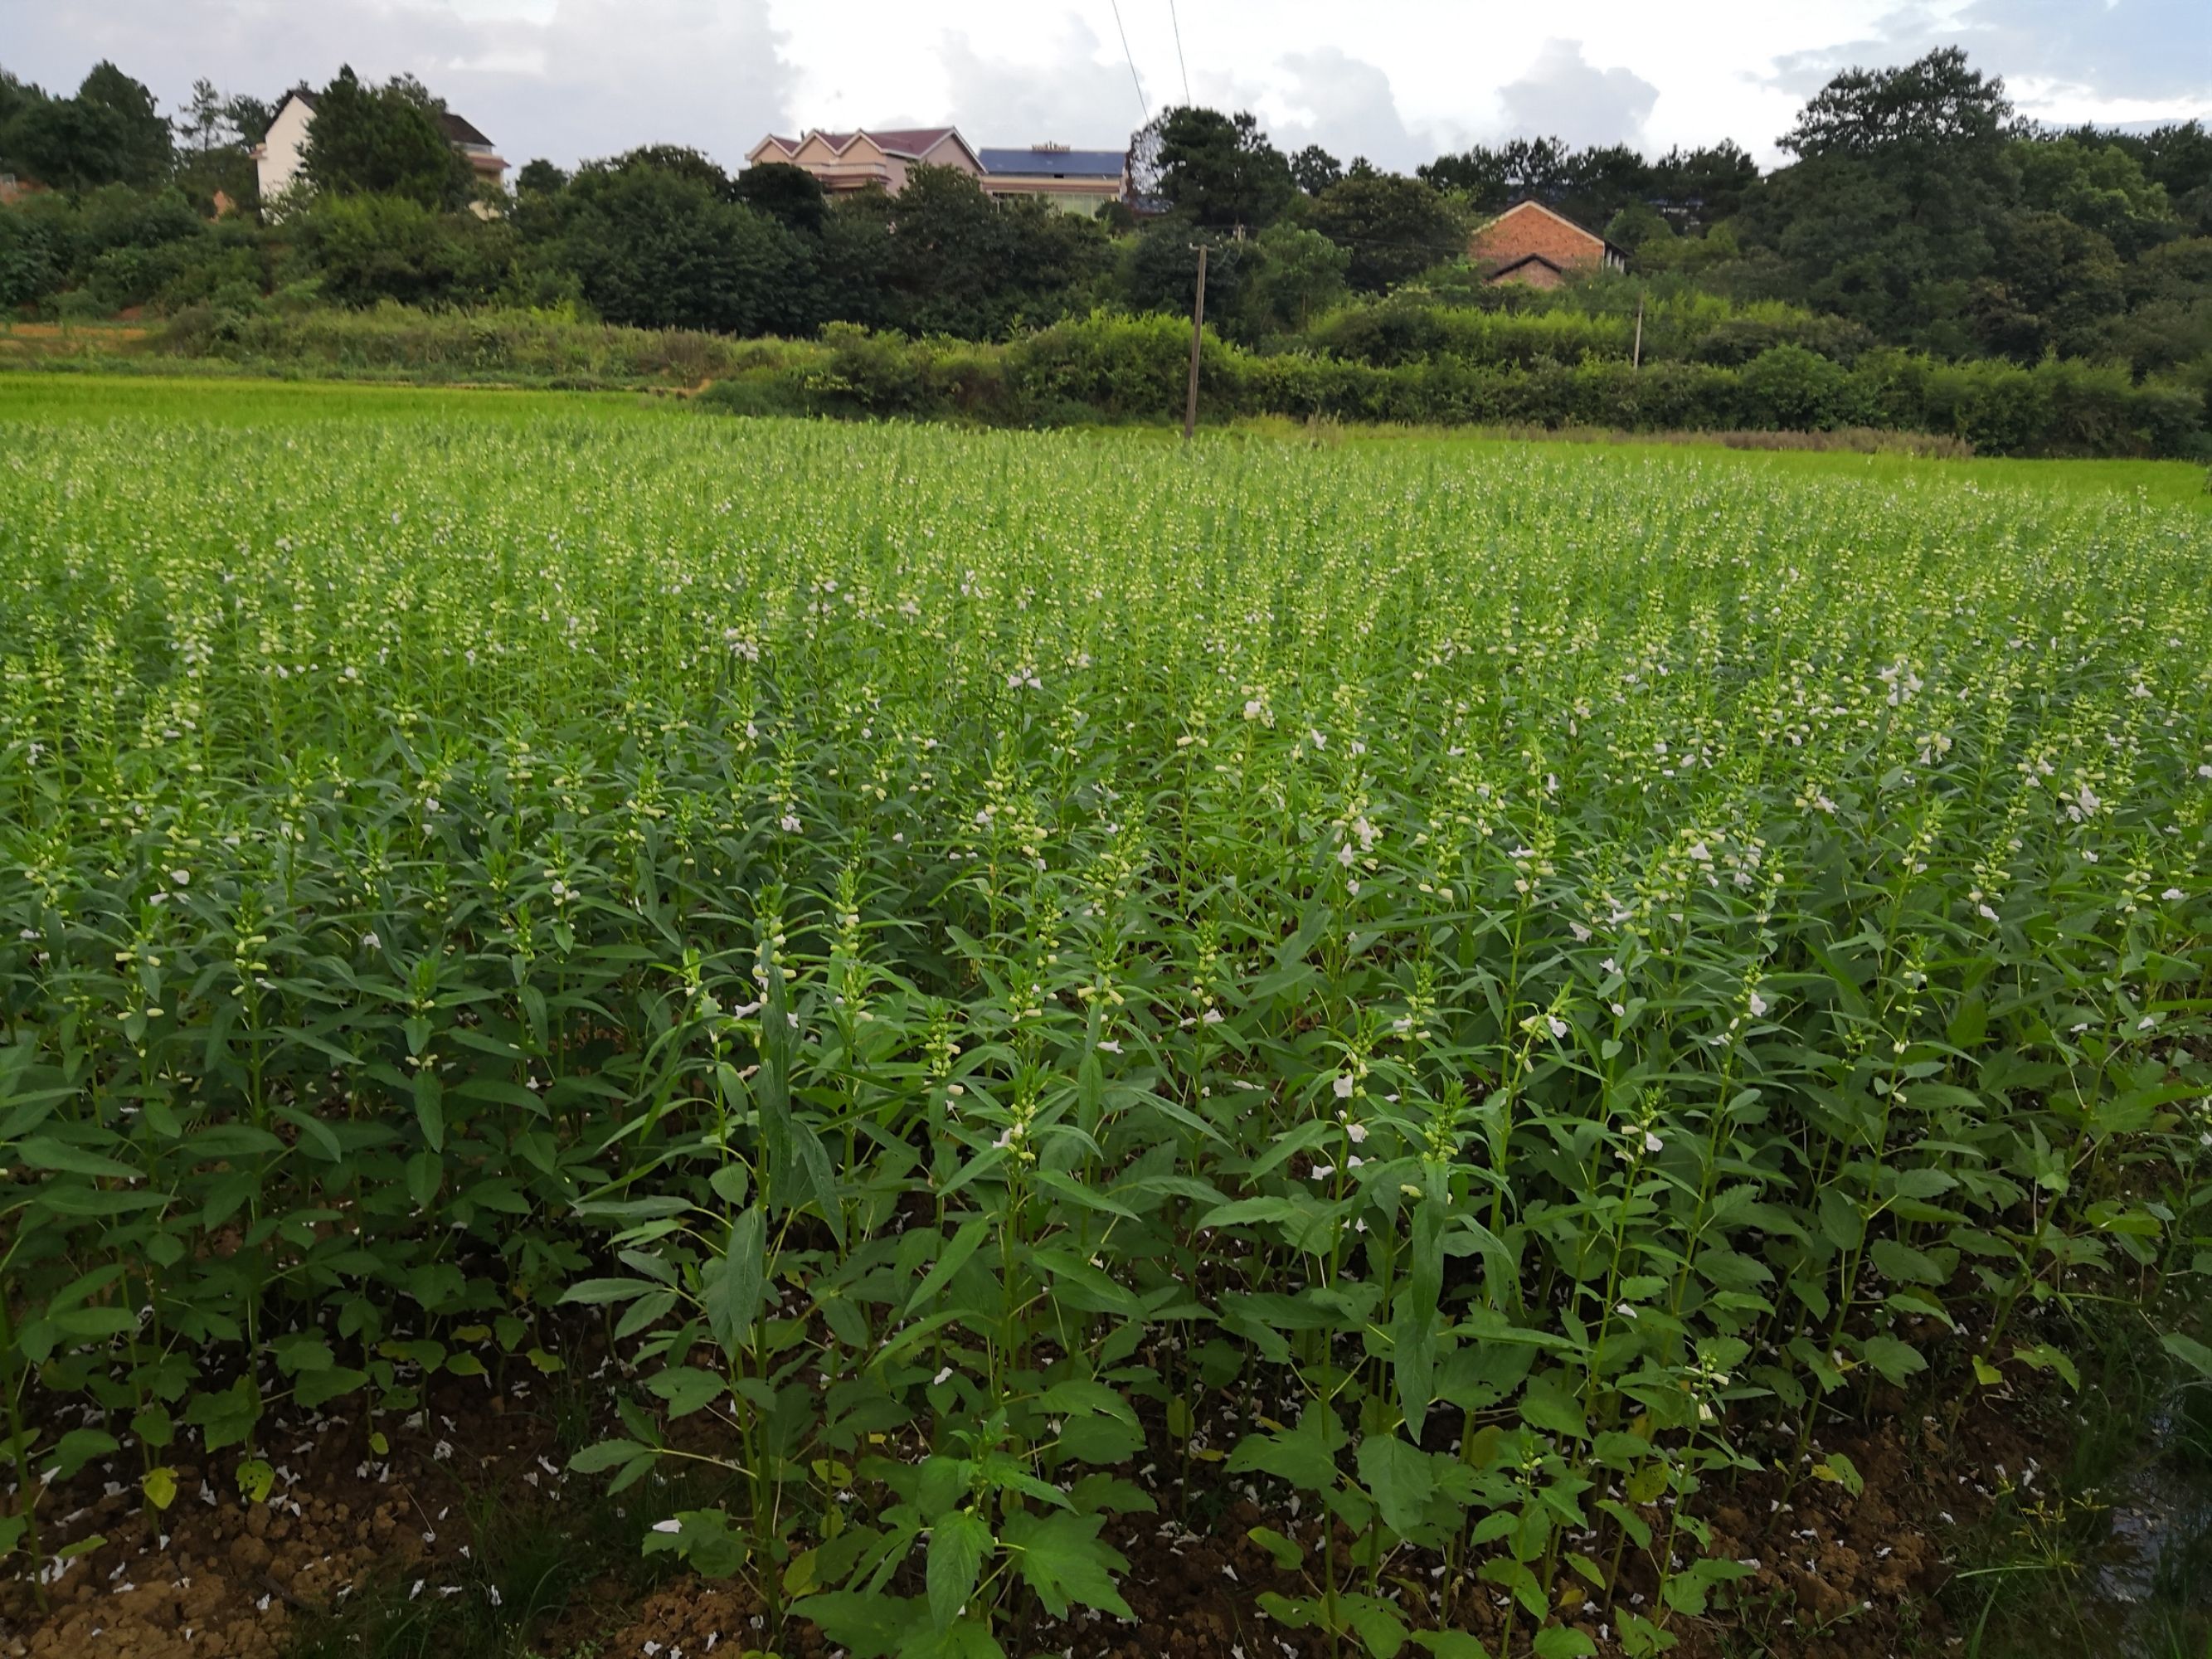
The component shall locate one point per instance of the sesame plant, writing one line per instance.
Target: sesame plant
(1022, 988)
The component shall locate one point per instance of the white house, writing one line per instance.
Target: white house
(276, 157)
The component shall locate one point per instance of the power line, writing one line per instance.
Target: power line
(1180, 64)
(1142, 103)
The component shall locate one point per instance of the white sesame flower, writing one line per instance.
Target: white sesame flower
(2173, 894)
(370, 942)
(1558, 1026)
(1757, 1005)
(1322, 1171)
(788, 824)
(1343, 1086)
(1344, 855)
(668, 1526)
(942, 1377)
(182, 877)
(1358, 1132)
(1652, 1143)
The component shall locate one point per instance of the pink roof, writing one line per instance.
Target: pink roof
(913, 142)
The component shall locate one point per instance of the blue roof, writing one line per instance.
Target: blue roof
(1063, 163)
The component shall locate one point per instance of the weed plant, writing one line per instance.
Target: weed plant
(1030, 980)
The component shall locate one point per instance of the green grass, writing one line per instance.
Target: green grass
(241, 401)
(245, 399)
(1458, 986)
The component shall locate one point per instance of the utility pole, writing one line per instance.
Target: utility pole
(1197, 323)
(1636, 361)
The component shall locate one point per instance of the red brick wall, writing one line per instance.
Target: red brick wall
(1524, 230)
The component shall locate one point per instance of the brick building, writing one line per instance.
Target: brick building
(1529, 243)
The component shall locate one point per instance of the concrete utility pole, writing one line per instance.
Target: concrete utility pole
(1197, 323)
(1635, 362)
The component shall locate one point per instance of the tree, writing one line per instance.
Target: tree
(213, 149)
(655, 247)
(679, 159)
(963, 264)
(1392, 226)
(384, 141)
(540, 177)
(1636, 225)
(1904, 192)
(1160, 269)
(1494, 179)
(367, 248)
(110, 133)
(2054, 283)
(1215, 170)
(1300, 276)
(2100, 186)
(791, 195)
(1934, 105)
(1313, 169)
(1699, 188)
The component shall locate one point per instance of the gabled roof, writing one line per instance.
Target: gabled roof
(907, 144)
(1512, 265)
(458, 129)
(1053, 163)
(461, 131)
(1553, 213)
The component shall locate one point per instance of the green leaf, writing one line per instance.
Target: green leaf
(1894, 1359)
(227, 1417)
(704, 1538)
(731, 1284)
(76, 1449)
(955, 1256)
(319, 1387)
(1544, 1405)
(1450, 1644)
(595, 1292)
(1065, 1561)
(1839, 1470)
(1397, 1474)
(2190, 1351)
(43, 1152)
(957, 1546)
(430, 1108)
(1562, 1642)
(606, 1454)
(1288, 1554)
(686, 1388)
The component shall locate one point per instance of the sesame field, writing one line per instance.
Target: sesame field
(623, 1033)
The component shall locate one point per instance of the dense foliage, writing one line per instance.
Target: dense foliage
(1031, 978)
(1917, 213)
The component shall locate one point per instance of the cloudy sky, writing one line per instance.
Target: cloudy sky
(1397, 81)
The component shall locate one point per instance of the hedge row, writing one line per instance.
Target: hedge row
(1122, 368)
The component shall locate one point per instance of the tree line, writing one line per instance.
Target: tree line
(1916, 210)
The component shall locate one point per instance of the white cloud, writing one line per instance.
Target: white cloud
(588, 77)
(1079, 96)
(1348, 107)
(1563, 95)
(1397, 79)
(2080, 56)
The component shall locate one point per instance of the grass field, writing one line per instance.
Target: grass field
(971, 1019)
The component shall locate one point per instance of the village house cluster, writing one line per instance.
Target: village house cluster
(1527, 243)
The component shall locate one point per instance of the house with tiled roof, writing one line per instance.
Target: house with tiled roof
(1073, 180)
(277, 158)
(1076, 180)
(1530, 243)
(843, 162)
